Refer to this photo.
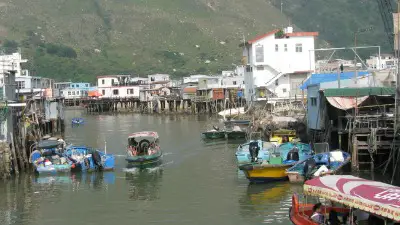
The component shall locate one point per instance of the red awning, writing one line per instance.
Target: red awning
(94, 94)
(345, 103)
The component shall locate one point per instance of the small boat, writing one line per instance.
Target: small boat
(236, 133)
(48, 157)
(77, 121)
(237, 122)
(214, 133)
(377, 200)
(318, 165)
(88, 159)
(243, 154)
(143, 149)
(274, 169)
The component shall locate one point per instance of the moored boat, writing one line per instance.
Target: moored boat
(274, 169)
(214, 133)
(48, 157)
(282, 135)
(236, 133)
(143, 149)
(88, 159)
(377, 200)
(326, 163)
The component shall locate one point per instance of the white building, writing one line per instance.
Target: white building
(13, 62)
(158, 81)
(117, 86)
(233, 82)
(385, 61)
(74, 93)
(194, 78)
(277, 63)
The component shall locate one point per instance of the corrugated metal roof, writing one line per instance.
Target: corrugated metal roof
(318, 78)
(358, 92)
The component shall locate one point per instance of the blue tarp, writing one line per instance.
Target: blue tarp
(318, 78)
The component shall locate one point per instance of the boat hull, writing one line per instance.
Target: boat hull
(143, 161)
(265, 173)
(53, 169)
(214, 135)
(234, 135)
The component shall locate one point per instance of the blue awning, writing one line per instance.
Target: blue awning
(318, 78)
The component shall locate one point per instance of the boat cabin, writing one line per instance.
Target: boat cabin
(143, 143)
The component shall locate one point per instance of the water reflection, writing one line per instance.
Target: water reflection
(144, 184)
(261, 198)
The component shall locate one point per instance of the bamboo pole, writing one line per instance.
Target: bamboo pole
(14, 155)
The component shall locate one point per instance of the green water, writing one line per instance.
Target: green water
(198, 183)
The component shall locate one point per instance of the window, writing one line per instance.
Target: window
(73, 93)
(259, 53)
(243, 82)
(276, 82)
(103, 92)
(69, 93)
(276, 47)
(313, 101)
(115, 92)
(72, 85)
(112, 82)
(87, 85)
(102, 81)
(152, 79)
(299, 48)
(129, 91)
(285, 47)
(284, 90)
(77, 92)
(260, 67)
(234, 82)
(20, 84)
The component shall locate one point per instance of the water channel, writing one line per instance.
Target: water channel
(198, 182)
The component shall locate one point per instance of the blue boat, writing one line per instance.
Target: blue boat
(293, 152)
(77, 121)
(243, 155)
(48, 157)
(320, 164)
(88, 159)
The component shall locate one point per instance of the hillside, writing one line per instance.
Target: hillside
(75, 39)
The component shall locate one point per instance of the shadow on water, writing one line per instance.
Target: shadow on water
(269, 201)
(144, 184)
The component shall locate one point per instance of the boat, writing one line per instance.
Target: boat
(321, 164)
(234, 132)
(237, 122)
(243, 154)
(143, 149)
(214, 133)
(282, 135)
(48, 157)
(274, 169)
(77, 121)
(379, 200)
(88, 159)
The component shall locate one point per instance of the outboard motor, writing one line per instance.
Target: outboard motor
(309, 167)
(254, 149)
(293, 154)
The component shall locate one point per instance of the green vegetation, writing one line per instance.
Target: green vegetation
(78, 40)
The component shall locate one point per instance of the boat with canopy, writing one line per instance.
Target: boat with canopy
(143, 149)
(379, 199)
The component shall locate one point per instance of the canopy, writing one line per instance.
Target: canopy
(152, 134)
(359, 92)
(48, 144)
(371, 196)
(345, 103)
